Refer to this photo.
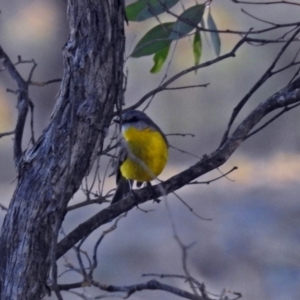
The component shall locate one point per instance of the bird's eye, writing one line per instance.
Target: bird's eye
(133, 119)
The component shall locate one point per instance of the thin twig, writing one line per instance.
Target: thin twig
(41, 84)
(186, 71)
(215, 179)
(3, 207)
(186, 87)
(99, 200)
(266, 3)
(183, 250)
(190, 208)
(34, 65)
(199, 284)
(286, 109)
(6, 133)
(23, 104)
(267, 74)
(184, 151)
(79, 258)
(150, 285)
(180, 134)
(256, 18)
(31, 106)
(96, 246)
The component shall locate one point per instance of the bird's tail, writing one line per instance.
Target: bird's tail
(124, 187)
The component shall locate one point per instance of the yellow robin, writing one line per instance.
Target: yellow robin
(143, 152)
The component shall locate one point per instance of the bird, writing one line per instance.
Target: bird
(143, 152)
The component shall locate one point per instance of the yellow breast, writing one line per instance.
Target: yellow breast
(147, 154)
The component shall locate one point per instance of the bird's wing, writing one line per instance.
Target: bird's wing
(123, 185)
(121, 158)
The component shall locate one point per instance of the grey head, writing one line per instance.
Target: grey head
(139, 120)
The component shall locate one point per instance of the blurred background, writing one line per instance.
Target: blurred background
(251, 243)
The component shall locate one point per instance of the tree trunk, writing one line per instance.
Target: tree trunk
(52, 171)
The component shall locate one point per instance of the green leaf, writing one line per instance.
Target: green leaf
(155, 40)
(214, 35)
(197, 47)
(145, 9)
(159, 59)
(187, 21)
(133, 10)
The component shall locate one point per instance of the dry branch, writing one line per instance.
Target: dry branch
(288, 96)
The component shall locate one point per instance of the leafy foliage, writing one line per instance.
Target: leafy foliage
(155, 40)
(187, 21)
(159, 59)
(145, 9)
(214, 34)
(197, 47)
(158, 39)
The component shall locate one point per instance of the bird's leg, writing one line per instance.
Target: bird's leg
(148, 184)
(135, 196)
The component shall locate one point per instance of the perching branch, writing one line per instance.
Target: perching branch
(288, 96)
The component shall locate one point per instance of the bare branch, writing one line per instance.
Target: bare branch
(150, 285)
(184, 250)
(34, 65)
(266, 3)
(287, 96)
(41, 84)
(6, 133)
(23, 104)
(186, 71)
(99, 200)
(257, 19)
(190, 208)
(181, 134)
(184, 151)
(109, 230)
(31, 106)
(215, 179)
(70, 286)
(268, 73)
(284, 110)
(3, 207)
(187, 87)
(230, 31)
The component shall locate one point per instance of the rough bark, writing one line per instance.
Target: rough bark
(52, 171)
